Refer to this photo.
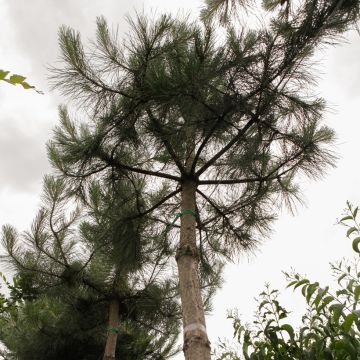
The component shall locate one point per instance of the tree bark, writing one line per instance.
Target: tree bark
(196, 343)
(110, 347)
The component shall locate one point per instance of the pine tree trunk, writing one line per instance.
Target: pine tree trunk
(110, 347)
(196, 343)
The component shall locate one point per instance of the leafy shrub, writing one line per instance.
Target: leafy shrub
(330, 327)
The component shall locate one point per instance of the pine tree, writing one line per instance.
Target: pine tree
(49, 328)
(77, 270)
(221, 128)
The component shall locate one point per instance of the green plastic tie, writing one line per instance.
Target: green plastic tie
(113, 329)
(179, 215)
(187, 212)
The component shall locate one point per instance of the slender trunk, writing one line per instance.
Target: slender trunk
(110, 347)
(196, 343)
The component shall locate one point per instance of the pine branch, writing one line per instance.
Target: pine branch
(221, 213)
(154, 207)
(241, 204)
(112, 161)
(231, 143)
(205, 141)
(55, 233)
(267, 177)
(81, 174)
(232, 181)
(165, 141)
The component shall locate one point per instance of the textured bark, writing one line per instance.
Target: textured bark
(196, 343)
(110, 347)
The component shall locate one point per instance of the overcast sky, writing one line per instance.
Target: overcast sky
(307, 241)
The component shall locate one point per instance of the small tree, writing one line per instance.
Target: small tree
(76, 271)
(330, 327)
(220, 127)
(49, 328)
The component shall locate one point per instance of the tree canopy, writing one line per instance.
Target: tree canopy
(76, 269)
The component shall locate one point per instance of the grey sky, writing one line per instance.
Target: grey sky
(29, 154)
(306, 241)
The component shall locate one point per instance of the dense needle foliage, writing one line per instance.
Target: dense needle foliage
(68, 269)
(237, 114)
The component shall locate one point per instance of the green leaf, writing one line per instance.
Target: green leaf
(291, 283)
(349, 319)
(350, 231)
(349, 217)
(342, 292)
(355, 245)
(310, 336)
(345, 345)
(16, 79)
(301, 282)
(340, 278)
(337, 310)
(327, 300)
(350, 285)
(263, 303)
(27, 86)
(3, 74)
(320, 295)
(357, 293)
(355, 212)
(246, 344)
(310, 291)
(289, 329)
(303, 290)
(327, 354)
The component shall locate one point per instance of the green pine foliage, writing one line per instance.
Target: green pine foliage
(50, 328)
(71, 264)
(330, 327)
(247, 101)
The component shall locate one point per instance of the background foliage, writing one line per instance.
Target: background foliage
(16, 79)
(330, 327)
